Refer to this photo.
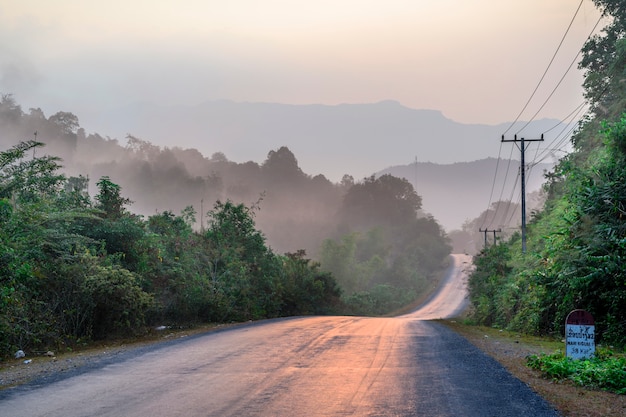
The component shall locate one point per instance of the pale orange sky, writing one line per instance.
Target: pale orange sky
(477, 61)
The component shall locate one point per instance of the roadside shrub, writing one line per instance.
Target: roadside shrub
(119, 304)
(604, 371)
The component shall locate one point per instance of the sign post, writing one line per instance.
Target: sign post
(580, 331)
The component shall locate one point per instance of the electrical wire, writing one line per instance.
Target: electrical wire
(567, 123)
(493, 184)
(524, 109)
(562, 137)
(497, 208)
(561, 80)
(509, 203)
(552, 145)
(547, 68)
(576, 110)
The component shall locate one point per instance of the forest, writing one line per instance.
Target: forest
(577, 242)
(100, 240)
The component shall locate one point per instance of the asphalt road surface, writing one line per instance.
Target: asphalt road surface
(313, 366)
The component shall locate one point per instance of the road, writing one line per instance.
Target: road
(305, 366)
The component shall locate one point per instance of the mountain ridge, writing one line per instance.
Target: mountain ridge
(461, 191)
(333, 140)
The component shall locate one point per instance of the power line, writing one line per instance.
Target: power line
(558, 48)
(561, 80)
(562, 137)
(509, 203)
(506, 175)
(522, 141)
(493, 184)
(547, 68)
(494, 235)
(556, 143)
(569, 116)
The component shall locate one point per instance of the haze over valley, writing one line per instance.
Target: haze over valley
(206, 92)
(353, 139)
(168, 165)
(293, 214)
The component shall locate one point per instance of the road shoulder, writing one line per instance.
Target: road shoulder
(511, 349)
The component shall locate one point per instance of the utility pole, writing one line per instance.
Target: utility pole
(415, 183)
(202, 215)
(523, 172)
(494, 234)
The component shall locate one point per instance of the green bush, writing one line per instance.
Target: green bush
(118, 302)
(604, 371)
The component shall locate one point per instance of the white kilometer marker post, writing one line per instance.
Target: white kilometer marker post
(580, 331)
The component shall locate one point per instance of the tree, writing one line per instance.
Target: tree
(383, 201)
(244, 267)
(110, 200)
(75, 193)
(306, 289)
(281, 167)
(22, 177)
(604, 62)
(142, 149)
(10, 111)
(66, 121)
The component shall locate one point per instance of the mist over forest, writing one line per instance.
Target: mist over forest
(194, 238)
(297, 210)
(354, 139)
(168, 234)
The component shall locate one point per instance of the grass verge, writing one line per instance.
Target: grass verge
(512, 349)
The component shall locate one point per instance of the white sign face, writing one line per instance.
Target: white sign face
(580, 341)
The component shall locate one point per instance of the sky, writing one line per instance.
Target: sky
(477, 61)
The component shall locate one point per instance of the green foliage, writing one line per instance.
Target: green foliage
(22, 178)
(386, 257)
(491, 269)
(376, 202)
(604, 62)
(604, 371)
(379, 300)
(119, 304)
(110, 200)
(305, 288)
(577, 245)
(243, 266)
(73, 269)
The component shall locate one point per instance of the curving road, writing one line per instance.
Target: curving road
(450, 300)
(314, 366)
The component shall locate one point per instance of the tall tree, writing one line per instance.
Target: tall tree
(23, 177)
(604, 62)
(383, 201)
(110, 200)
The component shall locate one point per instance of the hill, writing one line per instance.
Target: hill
(354, 139)
(454, 193)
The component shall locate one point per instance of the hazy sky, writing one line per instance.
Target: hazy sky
(475, 60)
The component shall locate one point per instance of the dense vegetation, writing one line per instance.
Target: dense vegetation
(386, 267)
(75, 268)
(577, 243)
(77, 264)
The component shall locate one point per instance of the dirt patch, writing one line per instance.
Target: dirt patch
(14, 372)
(511, 350)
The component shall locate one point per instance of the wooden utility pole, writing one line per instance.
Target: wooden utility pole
(523, 173)
(202, 215)
(494, 235)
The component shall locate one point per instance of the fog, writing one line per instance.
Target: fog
(297, 209)
(348, 88)
(476, 61)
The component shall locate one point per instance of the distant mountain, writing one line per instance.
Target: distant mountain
(457, 192)
(354, 139)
